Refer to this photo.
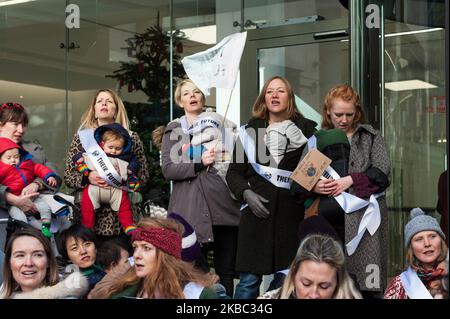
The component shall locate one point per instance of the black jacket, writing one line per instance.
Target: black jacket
(267, 245)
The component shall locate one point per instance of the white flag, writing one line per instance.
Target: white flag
(217, 66)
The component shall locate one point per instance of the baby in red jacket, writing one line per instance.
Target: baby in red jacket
(17, 170)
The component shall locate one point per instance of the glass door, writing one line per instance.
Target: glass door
(415, 115)
(313, 59)
(33, 69)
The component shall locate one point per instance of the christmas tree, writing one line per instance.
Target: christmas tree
(150, 73)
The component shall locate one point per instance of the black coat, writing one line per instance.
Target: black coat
(267, 245)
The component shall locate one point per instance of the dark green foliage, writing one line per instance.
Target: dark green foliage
(150, 73)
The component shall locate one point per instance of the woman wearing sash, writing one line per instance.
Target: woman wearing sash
(158, 271)
(106, 108)
(259, 176)
(425, 257)
(199, 195)
(364, 171)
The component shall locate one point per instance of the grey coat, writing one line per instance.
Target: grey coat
(202, 198)
(368, 149)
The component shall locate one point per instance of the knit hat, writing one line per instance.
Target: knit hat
(330, 137)
(165, 239)
(7, 144)
(316, 225)
(190, 246)
(419, 221)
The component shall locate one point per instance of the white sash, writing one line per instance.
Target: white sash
(278, 177)
(284, 272)
(312, 142)
(414, 287)
(350, 203)
(99, 158)
(192, 290)
(199, 125)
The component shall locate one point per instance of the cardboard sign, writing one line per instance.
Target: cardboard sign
(310, 169)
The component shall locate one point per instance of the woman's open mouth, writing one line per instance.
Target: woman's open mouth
(29, 273)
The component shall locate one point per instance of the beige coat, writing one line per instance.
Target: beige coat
(75, 285)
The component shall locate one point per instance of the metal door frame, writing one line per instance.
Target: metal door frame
(281, 36)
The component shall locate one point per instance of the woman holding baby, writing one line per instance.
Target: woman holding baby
(199, 194)
(106, 107)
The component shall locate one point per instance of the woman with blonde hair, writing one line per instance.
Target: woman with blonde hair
(199, 194)
(158, 271)
(317, 272)
(105, 108)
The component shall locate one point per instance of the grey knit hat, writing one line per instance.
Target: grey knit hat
(419, 221)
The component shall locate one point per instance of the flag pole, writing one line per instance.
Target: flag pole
(228, 103)
(225, 114)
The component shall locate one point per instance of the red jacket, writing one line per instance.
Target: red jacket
(17, 177)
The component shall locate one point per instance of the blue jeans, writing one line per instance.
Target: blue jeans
(248, 286)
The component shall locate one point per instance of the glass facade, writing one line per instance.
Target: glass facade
(54, 71)
(414, 111)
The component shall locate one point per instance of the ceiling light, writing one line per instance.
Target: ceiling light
(12, 2)
(412, 32)
(205, 34)
(408, 85)
(405, 33)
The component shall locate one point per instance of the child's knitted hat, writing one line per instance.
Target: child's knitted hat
(189, 244)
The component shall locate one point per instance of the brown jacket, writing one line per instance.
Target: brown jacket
(202, 198)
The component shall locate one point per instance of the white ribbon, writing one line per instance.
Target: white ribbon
(100, 160)
(414, 287)
(278, 177)
(192, 290)
(371, 219)
(284, 272)
(198, 125)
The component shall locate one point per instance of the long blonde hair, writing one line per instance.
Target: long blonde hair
(260, 109)
(169, 275)
(321, 248)
(88, 119)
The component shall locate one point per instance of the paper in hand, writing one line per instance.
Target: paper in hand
(310, 169)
